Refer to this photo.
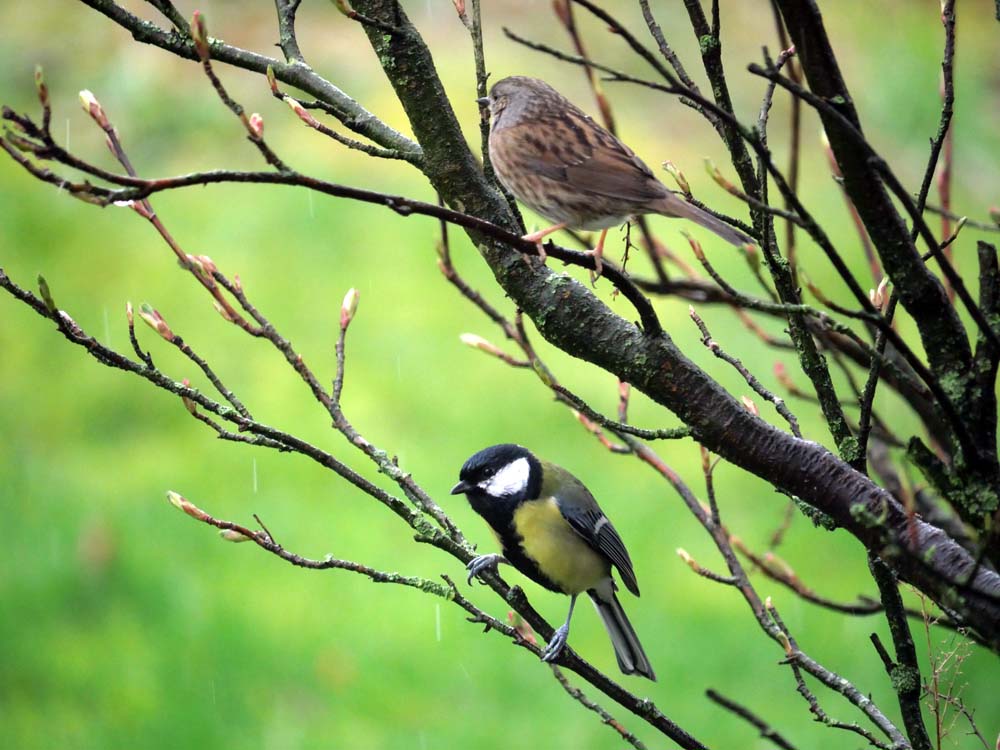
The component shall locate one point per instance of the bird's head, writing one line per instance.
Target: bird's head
(504, 471)
(519, 97)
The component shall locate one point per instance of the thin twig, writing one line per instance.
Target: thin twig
(254, 131)
(136, 189)
(905, 673)
(971, 223)
(779, 404)
(299, 108)
(669, 433)
(265, 541)
(606, 718)
(293, 73)
(765, 729)
(813, 701)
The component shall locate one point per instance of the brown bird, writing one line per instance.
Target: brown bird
(563, 165)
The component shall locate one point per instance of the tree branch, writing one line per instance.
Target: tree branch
(346, 109)
(905, 675)
(766, 731)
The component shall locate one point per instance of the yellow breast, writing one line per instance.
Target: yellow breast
(559, 552)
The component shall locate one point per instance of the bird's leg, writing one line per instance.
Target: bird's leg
(537, 237)
(598, 253)
(484, 563)
(559, 637)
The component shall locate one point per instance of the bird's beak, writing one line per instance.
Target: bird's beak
(483, 101)
(461, 487)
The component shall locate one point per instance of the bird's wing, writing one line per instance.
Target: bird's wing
(575, 149)
(587, 519)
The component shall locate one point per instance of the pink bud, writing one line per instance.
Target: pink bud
(190, 405)
(524, 630)
(720, 180)
(695, 245)
(43, 90)
(93, 108)
(155, 321)
(222, 311)
(562, 11)
(141, 208)
(199, 35)
(231, 535)
(46, 294)
(256, 123)
(300, 111)
(750, 406)
(204, 263)
(182, 503)
(878, 297)
(345, 7)
(349, 307)
(478, 342)
(678, 176)
(782, 375)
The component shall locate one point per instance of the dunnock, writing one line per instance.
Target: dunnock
(560, 163)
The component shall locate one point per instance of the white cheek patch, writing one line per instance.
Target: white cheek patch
(510, 480)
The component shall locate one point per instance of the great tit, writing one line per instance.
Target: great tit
(551, 529)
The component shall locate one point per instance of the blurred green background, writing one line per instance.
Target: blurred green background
(125, 624)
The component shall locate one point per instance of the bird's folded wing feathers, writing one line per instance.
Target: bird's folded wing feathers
(612, 170)
(597, 531)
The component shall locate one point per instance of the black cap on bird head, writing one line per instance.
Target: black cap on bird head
(505, 470)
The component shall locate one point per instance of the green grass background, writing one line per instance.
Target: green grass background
(125, 624)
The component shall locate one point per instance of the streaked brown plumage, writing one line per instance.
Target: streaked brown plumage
(562, 164)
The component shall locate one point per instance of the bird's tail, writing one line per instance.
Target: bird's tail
(631, 657)
(671, 205)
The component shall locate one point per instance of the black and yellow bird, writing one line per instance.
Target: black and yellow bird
(551, 529)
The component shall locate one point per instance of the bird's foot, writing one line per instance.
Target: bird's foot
(595, 274)
(537, 237)
(483, 563)
(598, 255)
(542, 256)
(556, 644)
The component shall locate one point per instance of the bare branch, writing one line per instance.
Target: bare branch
(904, 674)
(717, 350)
(765, 729)
(347, 110)
(606, 718)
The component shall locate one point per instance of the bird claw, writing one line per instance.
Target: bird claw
(481, 564)
(542, 255)
(595, 274)
(598, 255)
(556, 644)
(537, 237)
